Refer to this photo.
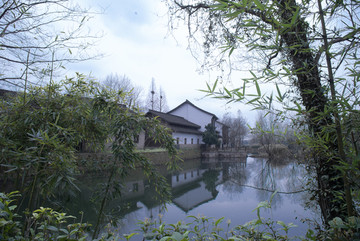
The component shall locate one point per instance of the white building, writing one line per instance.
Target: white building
(192, 113)
(196, 115)
(183, 131)
(187, 123)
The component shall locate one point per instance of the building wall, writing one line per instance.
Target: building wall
(179, 138)
(194, 115)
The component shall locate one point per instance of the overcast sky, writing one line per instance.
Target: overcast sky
(137, 44)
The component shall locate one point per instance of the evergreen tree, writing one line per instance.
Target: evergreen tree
(210, 137)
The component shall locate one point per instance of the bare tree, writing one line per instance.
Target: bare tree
(40, 36)
(237, 129)
(275, 136)
(156, 99)
(122, 84)
(163, 107)
(265, 132)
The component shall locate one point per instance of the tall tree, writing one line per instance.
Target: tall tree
(210, 137)
(163, 107)
(291, 45)
(156, 98)
(238, 129)
(122, 84)
(38, 37)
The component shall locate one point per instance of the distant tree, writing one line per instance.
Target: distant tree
(238, 129)
(122, 84)
(163, 107)
(210, 137)
(265, 132)
(269, 131)
(156, 98)
(152, 97)
(38, 37)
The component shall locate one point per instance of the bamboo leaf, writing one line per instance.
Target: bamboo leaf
(257, 88)
(280, 96)
(259, 5)
(214, 86)
(252, 73)
(295, 16)
(228, 92)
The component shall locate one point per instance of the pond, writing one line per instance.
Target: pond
(230, 188)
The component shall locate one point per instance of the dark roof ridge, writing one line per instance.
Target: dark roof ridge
(175, 119)
(187, 101)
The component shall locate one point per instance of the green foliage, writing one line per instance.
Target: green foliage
(344, 230)
(41, 130)
(43, 224)
(210, 137)
(9, 226)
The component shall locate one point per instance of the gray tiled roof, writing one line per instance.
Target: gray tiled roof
(177, 123)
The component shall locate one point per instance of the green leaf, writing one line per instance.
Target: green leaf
(128, 236)
(257, 88)
(214, 86)
(280, 96)
(259, 5)
(218, 221)
(177, 236)
(295, 16)
(252, 73)
(228, 92)
(272, 196)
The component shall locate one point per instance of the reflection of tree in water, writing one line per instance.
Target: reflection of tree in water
(210, 178)
(278, 176)
(235, 175)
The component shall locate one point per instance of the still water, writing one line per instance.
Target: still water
(214, 188)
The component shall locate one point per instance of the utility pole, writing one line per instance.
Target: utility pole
(152, 93)
(160, 101)
(152, 99)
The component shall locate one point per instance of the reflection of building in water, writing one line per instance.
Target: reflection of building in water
(195, 187)
(133, 189)
(194, 198)
(185, 177)
(190, 188)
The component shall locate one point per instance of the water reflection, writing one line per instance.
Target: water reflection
(214, 188)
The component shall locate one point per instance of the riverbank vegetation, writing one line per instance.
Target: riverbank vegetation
(43, 127)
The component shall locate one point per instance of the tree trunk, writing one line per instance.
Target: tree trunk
(308, 81)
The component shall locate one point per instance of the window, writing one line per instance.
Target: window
(192, 141)
(185, 141)
(198, 141)
(177, 140)
(135, 187)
